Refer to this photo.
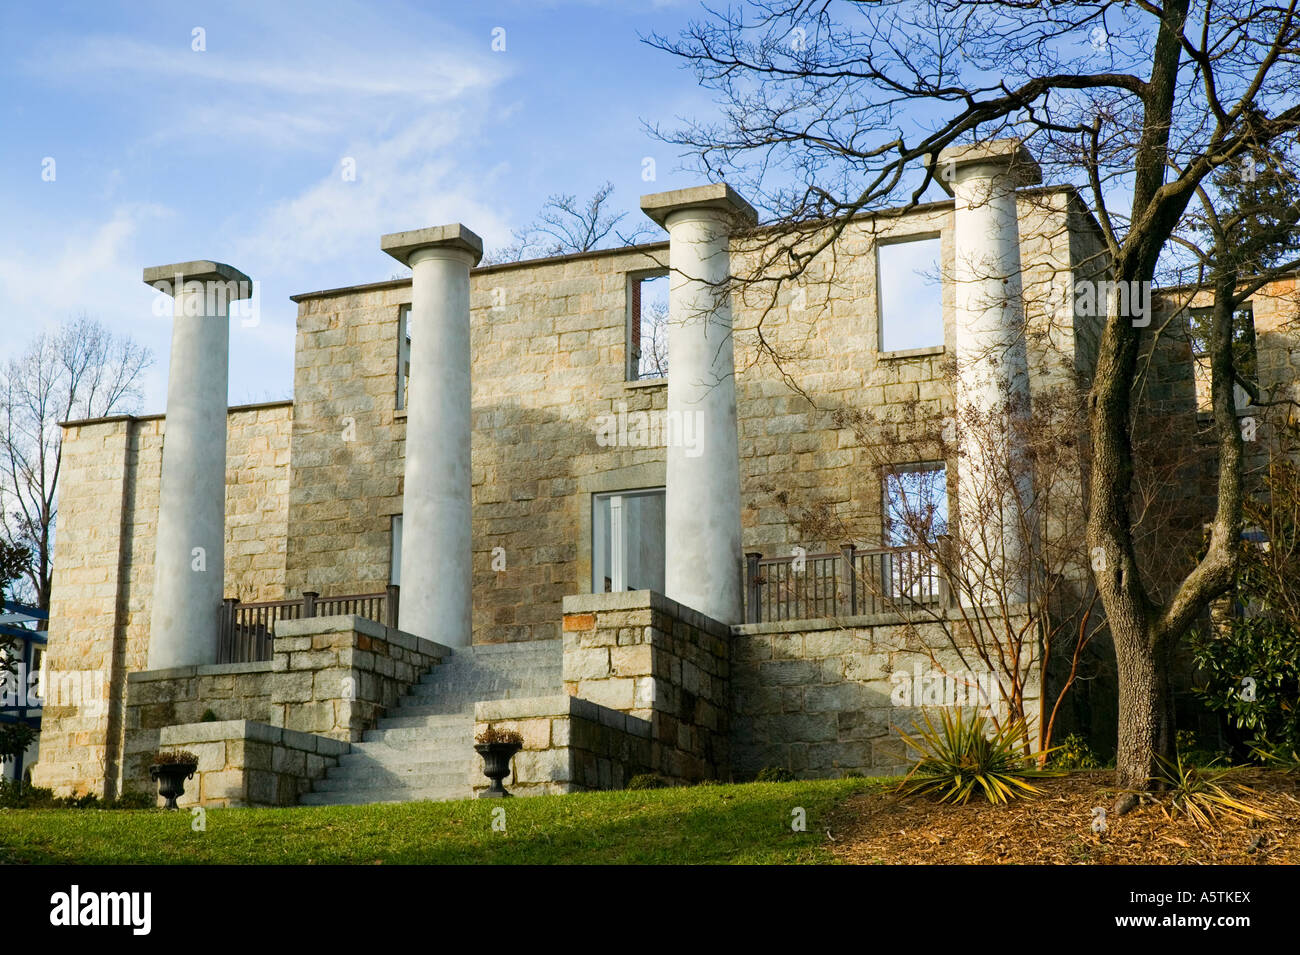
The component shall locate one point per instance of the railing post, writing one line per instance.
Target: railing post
(847, 552)
(390, 606)
(309, 603)
(226, 630)
(753, 609)
(943, 544)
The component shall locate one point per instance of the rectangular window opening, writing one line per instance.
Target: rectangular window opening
(395, 555)
(403, 355)
(627, 541)
(915, 510)
(915, 503)
(910, 287)
(1243, 354)
(647, 326)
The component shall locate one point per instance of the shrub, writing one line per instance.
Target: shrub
(1251, 674)
(180, 757)
(1251, 671)
(493, 735)
(13, 796)
(135, 800)
(209, 717)
(1191, 752)
(647, 781)
(35, 797)
(1200, 794)
(961, 758)
(1074, 753)
(774, 774)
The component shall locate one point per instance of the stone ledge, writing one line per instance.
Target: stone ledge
(223, 669)
(904, 353)
(487, 711)
(210, 669)
(346, 623)
(646, 383)
(183, 733)
(643, 600)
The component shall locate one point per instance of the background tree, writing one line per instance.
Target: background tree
(14, 737)
(834, 108)
(81, 370)
(1250, 667)
(564, 226)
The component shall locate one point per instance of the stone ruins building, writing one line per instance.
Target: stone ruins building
(480, 508)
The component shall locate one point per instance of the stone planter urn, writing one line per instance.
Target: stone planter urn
(171, 773)
(496, 766)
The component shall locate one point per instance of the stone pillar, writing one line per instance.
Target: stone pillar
(703, 558)
(189, 559)
(437, 574)
(992, 365)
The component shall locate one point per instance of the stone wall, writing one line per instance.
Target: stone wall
(159, 699)
(337, 675)
(329, 676)
(549, 346)
(825, 698)
(103, 574)
(647, 656)
(246, 763)
(570, 744)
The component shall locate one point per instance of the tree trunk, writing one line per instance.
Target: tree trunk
(1145, 708)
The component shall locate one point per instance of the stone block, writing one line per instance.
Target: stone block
(593, 664)
(617, 694)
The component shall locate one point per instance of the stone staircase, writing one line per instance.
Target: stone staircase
(424, 747)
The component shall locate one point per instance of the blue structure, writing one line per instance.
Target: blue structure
(26, 643)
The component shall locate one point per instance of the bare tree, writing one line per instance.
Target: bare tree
(81, 370)
(1137, 103)
(565, 226)
(654, 340)
(950, 576)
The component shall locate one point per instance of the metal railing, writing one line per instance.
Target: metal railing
(847, 583)
(246, 632)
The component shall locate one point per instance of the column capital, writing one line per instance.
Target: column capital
(716, 195)
(400, 245)
(997, 156)
(170, 278)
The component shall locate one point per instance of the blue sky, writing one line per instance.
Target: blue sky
(163, 153)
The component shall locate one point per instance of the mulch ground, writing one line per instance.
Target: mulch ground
(1056, 828)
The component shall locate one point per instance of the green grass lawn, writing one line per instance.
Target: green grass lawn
(748, 823)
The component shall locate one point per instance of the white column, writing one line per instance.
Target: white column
(437, 574)
(992, 365)
(703, 560)
(189, 560)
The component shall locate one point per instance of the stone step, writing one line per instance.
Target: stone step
(386, 757)
(406, 751)
(450, 700)
(468, 676)
(554, 645)
(428, 763)
(417, 734)
(432, 777)
(423, 749)
(411, 716)
(468, 686)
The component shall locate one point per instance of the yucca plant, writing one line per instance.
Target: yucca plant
(965, 756)
(1198, 793)
(1278, 756)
